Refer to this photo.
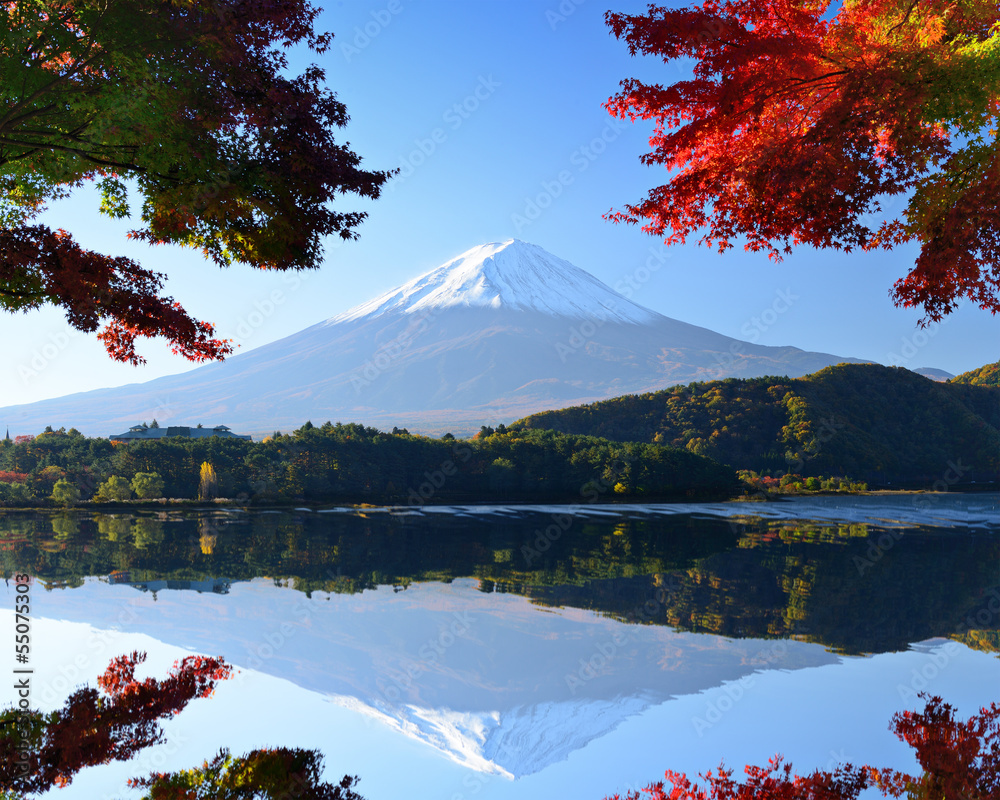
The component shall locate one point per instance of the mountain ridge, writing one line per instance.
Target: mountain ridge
(865, 421)
(501, 331)
(986, 375)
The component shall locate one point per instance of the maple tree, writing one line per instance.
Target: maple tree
(187, 106)
(960, 761)
(40, 751)
(265, 773)
(802, 118)
(774, 782)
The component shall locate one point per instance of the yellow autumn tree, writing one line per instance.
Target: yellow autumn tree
(208, 483)
(207, 537)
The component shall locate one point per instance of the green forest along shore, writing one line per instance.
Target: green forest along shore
(843, 428)
(336, 463)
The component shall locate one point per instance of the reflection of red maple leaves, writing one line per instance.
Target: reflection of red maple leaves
(774, 782)
(961, 761)
(99, 727)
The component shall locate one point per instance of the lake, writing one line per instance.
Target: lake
(526, 651)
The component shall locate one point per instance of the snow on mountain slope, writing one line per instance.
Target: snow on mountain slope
(514, 742)
(497, 333)
(497, 696)
(512, 275)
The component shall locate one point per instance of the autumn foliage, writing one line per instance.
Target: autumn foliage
(266, 773)
(39, 752)
(39, 266)
(188, 106)
(960, 761)
(97, 727)
(803, 122)
(774, 782)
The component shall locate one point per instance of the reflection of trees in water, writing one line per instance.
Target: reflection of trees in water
(839, 586)
(64, 526)
(142, 533)
(850, 587)
(987, 641)
(114, 528)
(147, 532)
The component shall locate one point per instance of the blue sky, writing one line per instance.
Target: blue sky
(492, 110)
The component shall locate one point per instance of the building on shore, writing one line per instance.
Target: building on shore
(144, 432)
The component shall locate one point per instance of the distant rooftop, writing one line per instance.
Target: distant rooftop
(143, 431)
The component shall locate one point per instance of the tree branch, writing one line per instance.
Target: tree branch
(906, 17)
(22, 295)
(34, 147)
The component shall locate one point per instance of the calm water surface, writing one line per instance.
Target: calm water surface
(513, 651)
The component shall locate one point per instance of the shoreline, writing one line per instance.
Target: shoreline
(226, 504)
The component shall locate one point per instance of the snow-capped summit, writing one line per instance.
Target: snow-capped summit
(513, 275)
(503, 330)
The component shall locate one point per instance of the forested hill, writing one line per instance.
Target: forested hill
(352, 463)
(988, 375)
(863, 421)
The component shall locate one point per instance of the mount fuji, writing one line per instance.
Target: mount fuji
(501, 331)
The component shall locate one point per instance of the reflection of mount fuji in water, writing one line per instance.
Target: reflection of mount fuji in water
(491, 681)
(529, 661)
(502, 330)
